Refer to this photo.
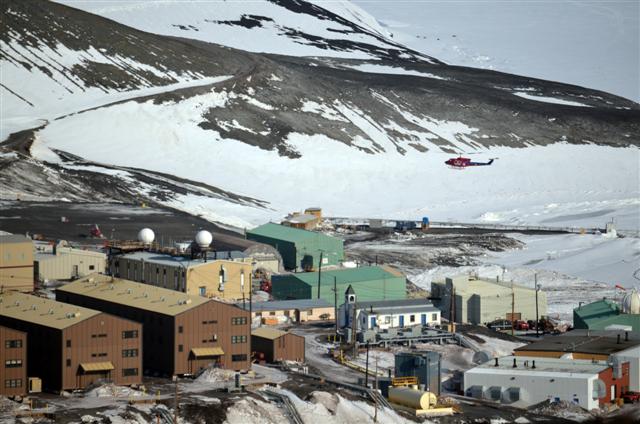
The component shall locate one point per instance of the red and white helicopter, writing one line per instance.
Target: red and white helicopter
(462, 162)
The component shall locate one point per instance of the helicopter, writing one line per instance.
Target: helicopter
(461, 162)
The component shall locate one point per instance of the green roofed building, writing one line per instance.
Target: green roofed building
(370, 282)
(300, 249)
(604, 314)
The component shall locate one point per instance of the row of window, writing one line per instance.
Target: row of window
(99, 355)
(13, 363)
(129, 353)
(11, 344)
(238, 320)
(13, 383)
(239, 358)
(131, 334)
(94, 336)
(238, 339)
(129, 372)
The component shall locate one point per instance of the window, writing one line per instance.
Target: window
(180, 348)
(13, 363)
(287, 313)
(412, 318)
(434, 317)
(213, 321)
(68, 362)
(238, 339)
(131, 334)
(92, 267)
(310, 312)
(272, 313)
(98, 355)
(10, 344)
(93, 336)
(13, 383)
(202, 290)
(387, 319)
(239, 358)
(129, 353)
(68, 343)
(180, 329)
(238, 320)
(129, 372)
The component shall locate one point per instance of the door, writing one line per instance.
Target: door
(401, 317)
(75, 271)
(373, 322)
(423, 319)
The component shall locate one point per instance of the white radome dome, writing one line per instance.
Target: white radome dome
(146, 236)
(631, 303)
(204, 238)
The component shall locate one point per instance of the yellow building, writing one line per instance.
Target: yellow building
(65, 263)
(224, 275)
(16, 263)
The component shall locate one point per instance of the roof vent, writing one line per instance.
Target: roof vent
(129, 291)
(91, 280)
(111, 287)
(51, 311)
(162, 299)
(145, 294)
(17, 303)
(34, 307)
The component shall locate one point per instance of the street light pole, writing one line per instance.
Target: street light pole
(535, 276)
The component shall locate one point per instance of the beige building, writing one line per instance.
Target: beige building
(16, 263)
(223, 275)
(66, 263)
(296, 311)
(481, 301)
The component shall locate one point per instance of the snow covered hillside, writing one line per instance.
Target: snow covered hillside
(241, 137)
(593, 44)
(290, 27)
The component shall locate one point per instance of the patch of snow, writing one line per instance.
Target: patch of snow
(546, 99)
(385, 69)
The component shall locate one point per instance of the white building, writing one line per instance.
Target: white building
(534, 380)
(62, 262)
(387, 313)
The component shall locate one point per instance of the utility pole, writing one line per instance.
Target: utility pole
(513, 309)
(535, 278)
(366, 369)
(375, 404)
(319, 272)
(175, 408)
(335, 302)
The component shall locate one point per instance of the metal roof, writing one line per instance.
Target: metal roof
(183, 261)
(43, 311)
(278, 305)
(97, 366)
(200, 352)
(136, 295)
(14, 238)
(268, 333)
(349, 275)
(597, 310)
(542, 365)
(282, 232)
(411, 308)
(600, 344)
(394, 304)
(62, 251)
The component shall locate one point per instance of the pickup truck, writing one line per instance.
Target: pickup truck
(631, 397)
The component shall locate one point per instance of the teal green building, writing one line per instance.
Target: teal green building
(602, 314)
(300, 249)
(369, 282)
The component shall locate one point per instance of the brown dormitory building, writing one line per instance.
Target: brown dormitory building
(69, 347)
(276, 345)
(16, 263)
(13, 362)
(182, 333)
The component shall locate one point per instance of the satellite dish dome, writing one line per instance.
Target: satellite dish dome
(631, 303)
(146, 236)
(203, 238)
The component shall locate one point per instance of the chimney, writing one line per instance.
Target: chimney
(533, 363)
(618, 342)
(496, 364)
(514, 363)
(626, 336)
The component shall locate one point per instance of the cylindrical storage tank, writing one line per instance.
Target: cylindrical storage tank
(412, 398)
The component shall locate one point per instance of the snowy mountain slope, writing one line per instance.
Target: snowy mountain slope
(593, 44)
(358, 137)
(292, 27)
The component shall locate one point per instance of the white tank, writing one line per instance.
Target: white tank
(631, 303)
(146, 236)
(412, 398)
(204, 238)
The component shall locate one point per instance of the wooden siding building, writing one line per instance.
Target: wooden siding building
(16, 263)
(70, 347)
(276, 345)
(13, 362)
(66, 263)
(182, 333)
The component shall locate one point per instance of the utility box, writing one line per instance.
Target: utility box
(424, 365)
